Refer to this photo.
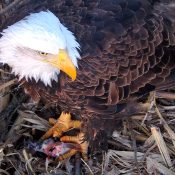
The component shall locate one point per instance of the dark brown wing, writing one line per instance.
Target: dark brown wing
(127, 47)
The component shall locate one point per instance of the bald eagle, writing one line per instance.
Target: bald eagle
(90, 57)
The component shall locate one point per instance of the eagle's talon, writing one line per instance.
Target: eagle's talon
(63, 124)
(52, 121)
(67, 155)
(79, 139)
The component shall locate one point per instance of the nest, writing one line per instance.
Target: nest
(143, 144)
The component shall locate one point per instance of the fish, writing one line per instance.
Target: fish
(52, 148)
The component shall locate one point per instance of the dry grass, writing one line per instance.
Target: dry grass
(144, 145)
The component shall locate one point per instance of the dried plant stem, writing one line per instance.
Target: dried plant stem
(166, 95)
(87, 166)
(4, 172)
(77, 164)
(9, 7)
(9, 83)
(161, 145)
(28, 162)
(166, 126)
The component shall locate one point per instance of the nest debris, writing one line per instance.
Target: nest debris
(144, 144)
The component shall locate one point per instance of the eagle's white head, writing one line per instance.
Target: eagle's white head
(38, 47)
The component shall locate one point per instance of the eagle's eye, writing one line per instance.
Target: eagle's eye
(43, 53)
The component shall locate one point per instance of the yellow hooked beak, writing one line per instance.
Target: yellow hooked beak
(64, 63)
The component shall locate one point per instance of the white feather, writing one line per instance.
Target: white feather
(43, 32)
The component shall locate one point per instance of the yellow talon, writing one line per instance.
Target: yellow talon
(52, 121)
(67, 155)
(63, 124)
(79, 139)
